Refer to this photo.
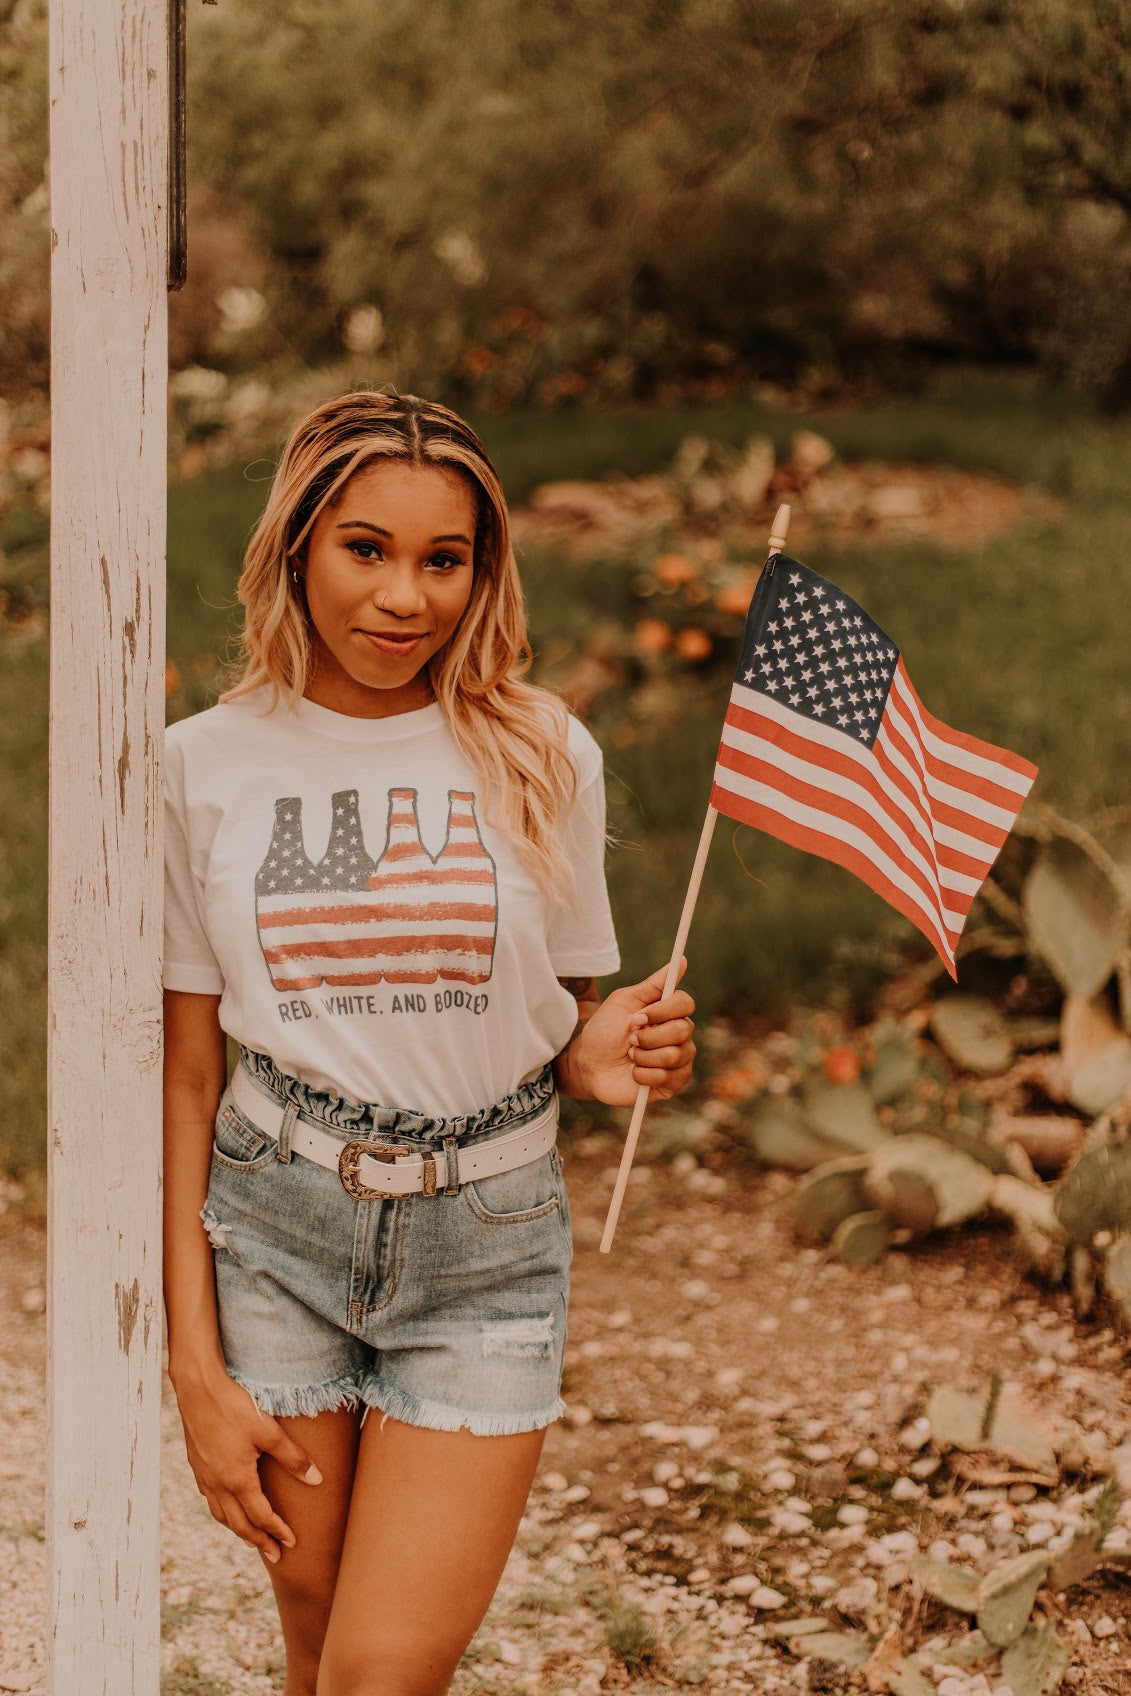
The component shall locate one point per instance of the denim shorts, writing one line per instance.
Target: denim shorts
(446, 1311)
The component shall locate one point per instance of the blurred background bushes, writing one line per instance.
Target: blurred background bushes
(660, 199)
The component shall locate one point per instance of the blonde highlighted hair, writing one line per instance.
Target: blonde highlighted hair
(513, 733)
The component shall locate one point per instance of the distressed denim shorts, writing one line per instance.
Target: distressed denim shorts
(446, 1311)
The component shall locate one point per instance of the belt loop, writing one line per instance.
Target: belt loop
(451, 1156)
(289, 1116)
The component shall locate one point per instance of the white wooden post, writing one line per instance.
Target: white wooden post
(109, 172)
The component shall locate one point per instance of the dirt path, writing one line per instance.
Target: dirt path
(741, 1444)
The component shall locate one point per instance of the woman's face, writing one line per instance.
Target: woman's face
(388, 575)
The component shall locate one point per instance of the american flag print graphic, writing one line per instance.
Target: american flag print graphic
(407, 918)
(826, 745)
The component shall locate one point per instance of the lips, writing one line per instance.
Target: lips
(397, 643)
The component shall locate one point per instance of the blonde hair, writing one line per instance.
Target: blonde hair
(513, 733)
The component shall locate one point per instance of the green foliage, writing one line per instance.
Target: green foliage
(614, 202)
(629, 1632)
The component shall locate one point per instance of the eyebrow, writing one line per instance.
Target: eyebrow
(362, 524)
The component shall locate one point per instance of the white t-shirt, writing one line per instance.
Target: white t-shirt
(334, 881)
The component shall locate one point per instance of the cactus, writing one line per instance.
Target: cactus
(828, 1195)
(1078, 1559)
(997, 1423)
(1075, 904)
(844, 1114)
(1117, 1276)
(922, 1182)
(1095, 1053)
(973, 1033)
(1037, 1662)
(1006, 1596)
(781, 1134)
(1095, 1192)
(895, 1066)
(957, 1586)
(862, 1239)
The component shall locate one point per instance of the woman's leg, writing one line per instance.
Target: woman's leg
(304, 1577)
(432, 1521)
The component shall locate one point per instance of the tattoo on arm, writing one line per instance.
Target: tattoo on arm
(582, 989)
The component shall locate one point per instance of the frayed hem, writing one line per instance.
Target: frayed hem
(289, 1401)
(392, 1403)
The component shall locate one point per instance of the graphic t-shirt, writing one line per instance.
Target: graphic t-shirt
(335, 882)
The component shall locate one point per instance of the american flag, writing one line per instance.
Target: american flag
(826, 745)
(407, 918)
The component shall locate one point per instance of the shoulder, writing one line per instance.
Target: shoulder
(585, 751)
(568, 733)
(223, 723)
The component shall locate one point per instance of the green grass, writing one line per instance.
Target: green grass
(186, 1679)
(1020, 642)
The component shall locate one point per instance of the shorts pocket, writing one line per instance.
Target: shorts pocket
(239, 1144)
(511, 1198)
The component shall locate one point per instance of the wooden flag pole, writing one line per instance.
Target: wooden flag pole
(778, 536)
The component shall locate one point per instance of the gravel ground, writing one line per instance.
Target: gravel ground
(745, 1441)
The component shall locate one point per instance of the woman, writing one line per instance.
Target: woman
(385, 883)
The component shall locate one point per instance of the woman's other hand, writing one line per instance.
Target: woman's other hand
(636, 1036)
(225, 1433)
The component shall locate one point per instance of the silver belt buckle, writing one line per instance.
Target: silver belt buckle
(350, 1159)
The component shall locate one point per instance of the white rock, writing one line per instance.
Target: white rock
(696, 1289)
(906, 1490)
(764, 1597)
(578, 1415)
(925, 1467)
(793, 1524)
(796, 1504)
(744, 1585)
(510, 1654)
(555, 1481)
(817, 1452)
(866, 1458)
(736, 1536)
(576, 1493)
(699, 1437)
(1104, 1627)
(664, 1470)
(916, 1435)
(587, 1532)
(780, 1479)
(852, 1513)
(654, 1496)
(858, 1598)
(822, 1584)
(1039, 1532)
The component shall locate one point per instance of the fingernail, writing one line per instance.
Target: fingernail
(271, 1554)
(312, 1475)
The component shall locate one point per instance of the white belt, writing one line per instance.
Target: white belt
(370, 1169)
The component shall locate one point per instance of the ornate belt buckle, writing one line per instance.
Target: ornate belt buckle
(349, 1160)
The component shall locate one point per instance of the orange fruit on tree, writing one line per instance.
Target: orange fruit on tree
(693, 644)
(842, 1064)
(674, 570)
(653, 636)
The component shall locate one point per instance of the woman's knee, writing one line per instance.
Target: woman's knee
(359, 1671)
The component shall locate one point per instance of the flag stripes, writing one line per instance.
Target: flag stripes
(826, 745)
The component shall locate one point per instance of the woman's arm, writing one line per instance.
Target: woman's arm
(195, 1073)
(224, 1430)
(638, 1036)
